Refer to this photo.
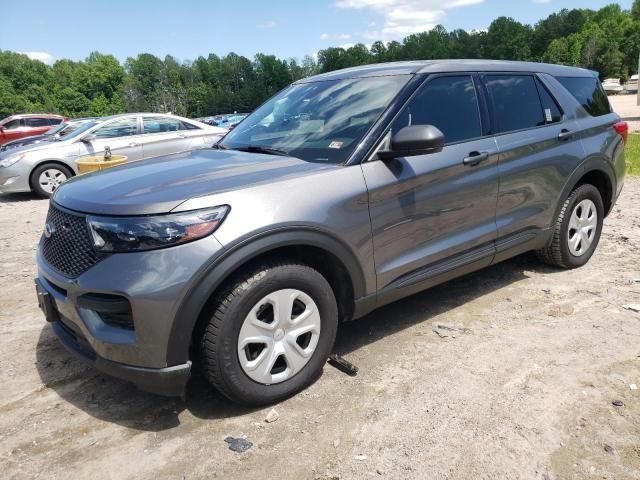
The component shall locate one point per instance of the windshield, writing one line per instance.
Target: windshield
(318, 122)
(83, 127)
(57, 128)
(72, 127)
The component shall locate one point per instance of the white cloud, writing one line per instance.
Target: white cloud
(404, 17)
(338, 36)
(44, 57)
(268, 24)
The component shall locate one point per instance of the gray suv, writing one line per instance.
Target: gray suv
(344, 192)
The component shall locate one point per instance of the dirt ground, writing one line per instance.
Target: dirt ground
(521, 388)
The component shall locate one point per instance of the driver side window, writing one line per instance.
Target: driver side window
(448, 103)
(12, 124)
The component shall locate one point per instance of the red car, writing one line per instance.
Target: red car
(19, 126)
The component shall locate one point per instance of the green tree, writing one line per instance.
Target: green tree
(508, 39)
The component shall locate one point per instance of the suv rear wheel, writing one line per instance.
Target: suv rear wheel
(577, 230)
(269, 333)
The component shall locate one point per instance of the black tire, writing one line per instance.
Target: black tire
(35, 175)
(557, 253)
(224, 319)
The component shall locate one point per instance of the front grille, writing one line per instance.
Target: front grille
(68, 248)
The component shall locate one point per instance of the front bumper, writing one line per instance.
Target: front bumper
(14, 179)
(153, 283)
(169, 381)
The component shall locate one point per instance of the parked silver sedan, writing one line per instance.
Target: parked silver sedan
(42, 168)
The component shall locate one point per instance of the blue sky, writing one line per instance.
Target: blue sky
(286, 28)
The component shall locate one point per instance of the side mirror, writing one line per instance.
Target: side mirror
(88, 138)
(414, 140)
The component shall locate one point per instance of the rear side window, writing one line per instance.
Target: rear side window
(552, 112)
(189, 126)
(515, 102)
(37, 122)
(54, 121)
(589, 93)
(163, 125)
(448, 103)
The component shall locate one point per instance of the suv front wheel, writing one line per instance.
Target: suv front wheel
(269, 333)
(577, 229)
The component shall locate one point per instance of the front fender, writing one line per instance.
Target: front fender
(212, 275)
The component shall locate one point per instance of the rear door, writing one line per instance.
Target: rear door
(37, 125)
(120, 135)
(164, 136)
(12, 130)
(537, 152)
(432, 214)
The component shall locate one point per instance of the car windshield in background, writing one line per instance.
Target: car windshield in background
(319, 121)
(71, 128)
(81, 129)
(57, 128)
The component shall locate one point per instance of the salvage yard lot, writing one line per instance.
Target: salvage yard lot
(518, 383)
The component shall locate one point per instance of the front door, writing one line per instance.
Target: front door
(434, 214)
(120, 135)
(12, 130)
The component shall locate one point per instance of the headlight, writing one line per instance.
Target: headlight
(127, 234)
(11, 159)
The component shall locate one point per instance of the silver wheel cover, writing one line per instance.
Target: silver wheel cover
(279, 336)
(582, 227)
(51, 179)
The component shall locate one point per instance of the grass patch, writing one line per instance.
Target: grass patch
(632, 154)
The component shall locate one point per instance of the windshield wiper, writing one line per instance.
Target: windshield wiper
(258, 149)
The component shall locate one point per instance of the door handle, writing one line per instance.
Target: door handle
(475, 158)
(565, 135)
(133, 144)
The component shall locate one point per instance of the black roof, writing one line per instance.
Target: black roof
(441, 66)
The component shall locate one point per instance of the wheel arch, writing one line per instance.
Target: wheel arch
(597, 171)
(331, 257)
(600, 180)
(48, 161)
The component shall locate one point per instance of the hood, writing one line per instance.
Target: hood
(159, 185)
(42, 144)
(26, 141)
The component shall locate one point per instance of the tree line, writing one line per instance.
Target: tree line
(605, 40)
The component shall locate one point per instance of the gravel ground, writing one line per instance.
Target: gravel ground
(519, 386)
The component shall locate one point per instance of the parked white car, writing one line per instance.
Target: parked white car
(42, 168)
(632, 85)
(612, 86)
